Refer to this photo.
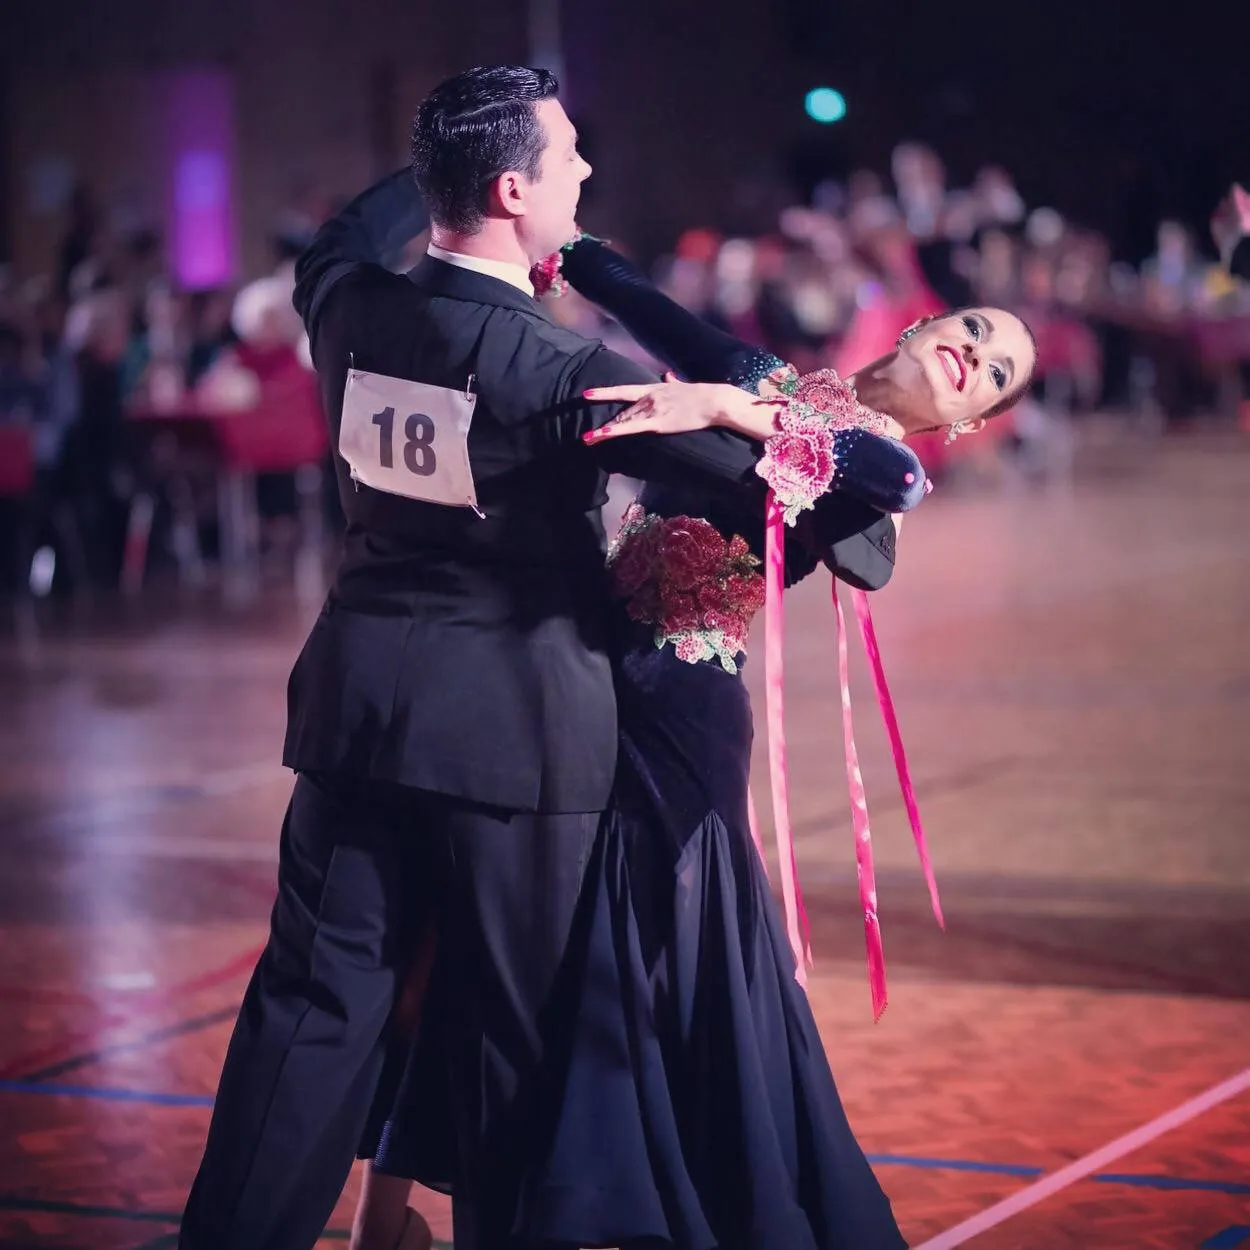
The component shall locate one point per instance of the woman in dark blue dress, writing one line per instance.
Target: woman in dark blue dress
(689, 1101)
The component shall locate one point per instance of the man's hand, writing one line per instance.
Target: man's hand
(1230, 222)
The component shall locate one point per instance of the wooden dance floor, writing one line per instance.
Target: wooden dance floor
(1072, 675)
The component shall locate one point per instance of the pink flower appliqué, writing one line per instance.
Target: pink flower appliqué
(799, 461)
(698, 588)
(826, 392)
(547, 276)
(691, 550)
(692, 649)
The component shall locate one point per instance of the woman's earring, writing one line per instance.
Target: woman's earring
(911, 329)
(957, 428)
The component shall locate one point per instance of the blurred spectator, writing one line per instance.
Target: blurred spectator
(920, 180)
(268, 344)
(999, 203)
(998, 278)
(20, 392)
(835, 283)
(209, 332)
(95, 462)
(82, 239)
(1173, 276)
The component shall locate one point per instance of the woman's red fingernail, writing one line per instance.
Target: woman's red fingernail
(590, 394)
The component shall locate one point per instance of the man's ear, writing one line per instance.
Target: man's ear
(506, 195)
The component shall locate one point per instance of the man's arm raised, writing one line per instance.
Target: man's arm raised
(368, 236)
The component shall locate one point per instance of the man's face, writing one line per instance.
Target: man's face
(551, 199)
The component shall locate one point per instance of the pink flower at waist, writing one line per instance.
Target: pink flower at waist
(698, 588)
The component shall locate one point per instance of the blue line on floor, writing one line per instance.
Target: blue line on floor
(1229, 1239)
(1142, 1180)
(1170, 1182)
(1226, 1240)
(106, 1093)
(180, 1028)
(954, 1165)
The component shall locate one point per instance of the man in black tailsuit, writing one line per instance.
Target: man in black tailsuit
(452, 722)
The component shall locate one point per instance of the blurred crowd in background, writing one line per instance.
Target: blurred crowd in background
(106, 366)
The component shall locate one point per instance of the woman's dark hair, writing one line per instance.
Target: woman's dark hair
(1022, 388)
(472, 128)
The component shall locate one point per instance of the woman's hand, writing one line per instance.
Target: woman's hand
(673, 407)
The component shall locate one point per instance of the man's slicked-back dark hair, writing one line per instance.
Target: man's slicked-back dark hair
(472, 128)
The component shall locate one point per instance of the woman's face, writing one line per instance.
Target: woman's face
(964, 363)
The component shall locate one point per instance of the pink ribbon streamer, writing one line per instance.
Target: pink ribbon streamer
(859, 819)
(869, 634)
(797, 928)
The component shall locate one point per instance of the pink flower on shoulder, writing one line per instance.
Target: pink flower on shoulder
(546, 277)
(785, 378)
(837, 401)
(828, 394)
(798, 463)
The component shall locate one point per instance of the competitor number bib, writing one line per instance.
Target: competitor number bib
(409, 438)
